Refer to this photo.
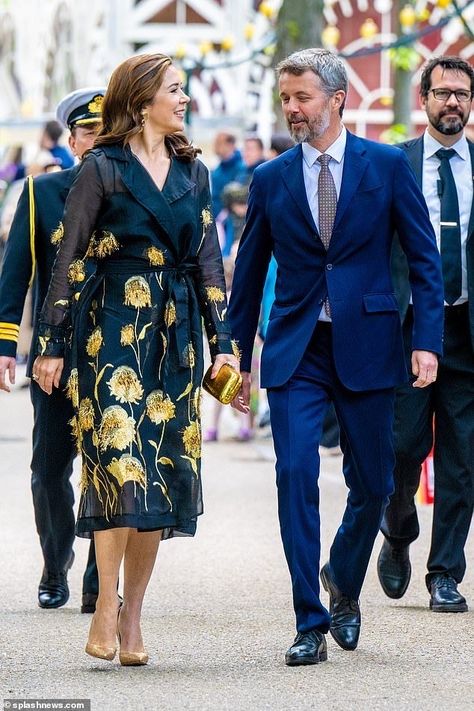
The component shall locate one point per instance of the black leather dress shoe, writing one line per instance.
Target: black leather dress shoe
(345, 613)
(308, 648)
(53, 590)
(394, 570)
(445, 596)
(88, 602)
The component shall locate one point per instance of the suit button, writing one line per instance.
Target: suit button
(329, 267)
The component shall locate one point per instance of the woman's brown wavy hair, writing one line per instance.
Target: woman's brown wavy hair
(131, 88)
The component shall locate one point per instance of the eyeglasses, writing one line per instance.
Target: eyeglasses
(462, 95)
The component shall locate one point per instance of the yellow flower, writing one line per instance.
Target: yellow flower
(155, 256)
(192, 440)
(127, 468)
(76, 432)
(76, 272)
(94, 342)
(159, 408)
(86, 414)
(125, 386)
(127, 334)
(236, 350)
(105, 245)
(117, 429)
(72, 388)
(170, 313)
(57, 234)
(137, 292)
(215, 294)
(206, 217)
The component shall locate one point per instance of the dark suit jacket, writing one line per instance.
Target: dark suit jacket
(50, 192)
(378, 195)
(414, 152)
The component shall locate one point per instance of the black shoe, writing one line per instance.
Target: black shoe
(88, 602)
(445, 596)
(53, 590)
(394, 570)
(308, 648)
(345, 613)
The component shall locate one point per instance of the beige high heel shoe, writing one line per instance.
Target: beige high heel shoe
(131, 659)
(100, 652)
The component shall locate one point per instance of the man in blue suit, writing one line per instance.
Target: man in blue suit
(327, 210)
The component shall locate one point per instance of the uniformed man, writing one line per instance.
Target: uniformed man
(31, 255)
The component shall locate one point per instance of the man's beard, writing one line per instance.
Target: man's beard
(448, 126)
(310, 129)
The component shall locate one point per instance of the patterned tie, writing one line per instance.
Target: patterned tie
(327, 201)
(450, 231)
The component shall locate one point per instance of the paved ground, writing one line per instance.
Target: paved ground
(218, 614)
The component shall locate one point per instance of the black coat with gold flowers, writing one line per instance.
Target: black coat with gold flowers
(137, 352)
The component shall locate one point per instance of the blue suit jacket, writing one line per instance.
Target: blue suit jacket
(378, 195)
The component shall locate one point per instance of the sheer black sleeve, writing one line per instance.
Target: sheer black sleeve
(82, 208)
(211, 286)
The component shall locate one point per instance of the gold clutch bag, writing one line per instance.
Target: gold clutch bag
(225, 386)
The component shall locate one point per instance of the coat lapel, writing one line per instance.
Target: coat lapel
(414, 152)
(292, 175)
(355, 166)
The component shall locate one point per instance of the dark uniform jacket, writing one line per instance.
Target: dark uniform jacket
(50, 192)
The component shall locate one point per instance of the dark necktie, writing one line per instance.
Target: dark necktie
(450, 230)
(327, 202)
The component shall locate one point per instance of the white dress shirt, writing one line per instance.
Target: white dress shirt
(311, 169)
(463, 177)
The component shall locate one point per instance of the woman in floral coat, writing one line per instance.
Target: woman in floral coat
(137, 220)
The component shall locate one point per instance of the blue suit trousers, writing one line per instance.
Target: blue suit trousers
(297, 412)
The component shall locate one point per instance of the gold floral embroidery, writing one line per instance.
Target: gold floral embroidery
(127, 468)
(105, 245)
(170, 313)
(137, 292)
(125, 386)
(236, 350)
(57, 234)
(43, 341)
(117, 429)
(213, 340)
(197, 402)
(76, 432)
(84, 480)
(192, 440)
(86, 414)
(127, 334)
(159, 408)
(189, 357)
(155, 256)
(72, 388)
(206, 217)
(94, 342)
(214, 294)
(76, 272)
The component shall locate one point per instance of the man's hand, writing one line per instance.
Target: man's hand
(424, 365)
(241, 402)
(7, 363)
(47, 372)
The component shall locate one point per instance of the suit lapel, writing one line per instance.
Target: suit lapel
(355, 166)
(292, 175)
(414, 153)
(470, 230)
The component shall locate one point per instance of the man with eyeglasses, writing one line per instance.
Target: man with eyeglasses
(443, 161)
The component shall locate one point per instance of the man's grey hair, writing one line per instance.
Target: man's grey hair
(327, 66)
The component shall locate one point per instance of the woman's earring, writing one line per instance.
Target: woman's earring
(144, 119)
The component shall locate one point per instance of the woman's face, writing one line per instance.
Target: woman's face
(168, 108)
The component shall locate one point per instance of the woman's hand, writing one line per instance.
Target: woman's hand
(223, 358)
(241, 401)
(47, 372)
